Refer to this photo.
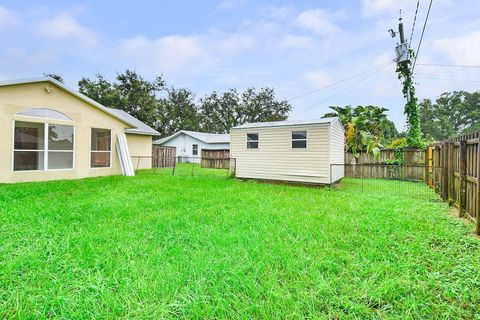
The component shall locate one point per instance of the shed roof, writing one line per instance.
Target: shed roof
(286, 123)
(137, 126)
(202, 136)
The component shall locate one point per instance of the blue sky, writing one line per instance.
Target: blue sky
(294, 46)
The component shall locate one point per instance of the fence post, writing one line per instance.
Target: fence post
(445, 172)
(451, 172)
(427, 166)
(437, 171)
(463, 177)
(478, 185)
(362, 174)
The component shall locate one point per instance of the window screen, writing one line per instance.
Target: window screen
(101, 148)
(60, 147)
(34, 151)
(299, 139)
(252, 140)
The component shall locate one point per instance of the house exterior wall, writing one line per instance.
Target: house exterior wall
(16, 98)
(184, 142)
(337, 150)
(275, 159)
(140, 147)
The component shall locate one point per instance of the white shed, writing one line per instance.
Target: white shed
(292, 151)
(189, 144)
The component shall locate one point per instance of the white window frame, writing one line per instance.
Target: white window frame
(21, 114)
(193, 149)
(257, 141)
(292, 140)
(45, 149)
(90, 148)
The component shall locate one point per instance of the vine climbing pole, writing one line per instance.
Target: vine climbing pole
(405, 75)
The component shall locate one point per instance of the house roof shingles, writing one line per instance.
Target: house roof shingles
(139, 126)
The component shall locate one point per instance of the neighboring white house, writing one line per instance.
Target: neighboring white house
(293, 151)
(189, 144)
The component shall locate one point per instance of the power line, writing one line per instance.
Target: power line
(414, 22)
(447, 79)
(342, 91)
(421, 36)
(446, 65)
(338, 82)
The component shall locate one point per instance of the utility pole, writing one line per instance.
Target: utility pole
(402, 51)
(400, 30)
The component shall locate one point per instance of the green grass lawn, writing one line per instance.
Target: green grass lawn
(161, 246)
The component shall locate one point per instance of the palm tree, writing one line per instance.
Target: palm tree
(364, 127)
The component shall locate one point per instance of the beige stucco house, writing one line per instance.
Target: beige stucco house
(51, 132)
(293, 151)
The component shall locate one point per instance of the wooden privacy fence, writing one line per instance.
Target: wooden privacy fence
(163, 157)
(411, 156)
(458, 182)
(367, 165)
(218, 159)
(450, 167)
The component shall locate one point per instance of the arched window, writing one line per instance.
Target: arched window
(44, 113)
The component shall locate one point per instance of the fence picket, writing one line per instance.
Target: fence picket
(218, 159)
(463, 177)
(477, 202)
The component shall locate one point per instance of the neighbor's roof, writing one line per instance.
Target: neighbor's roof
(202, 136)
(286, 123)
(138, 127)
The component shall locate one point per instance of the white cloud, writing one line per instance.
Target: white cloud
(64, 27)
(294, 42)
(318, 79)
(230, 44)
(6, 18)
(318, 21)
(281, 13)
(461, 50)
(375, 7)
(165, 54)
(228, 5)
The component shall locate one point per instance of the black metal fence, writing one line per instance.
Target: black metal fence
(416, 181)
(185, 166)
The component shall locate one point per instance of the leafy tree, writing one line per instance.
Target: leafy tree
(222, 111)
(397, 143)
(452, 113)
(55, 76)
(365, 127)
(177, 111)
(131, 93)
(101, 91)
(389, 131)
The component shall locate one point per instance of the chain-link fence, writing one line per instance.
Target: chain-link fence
(186, 166)
(384, 179)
